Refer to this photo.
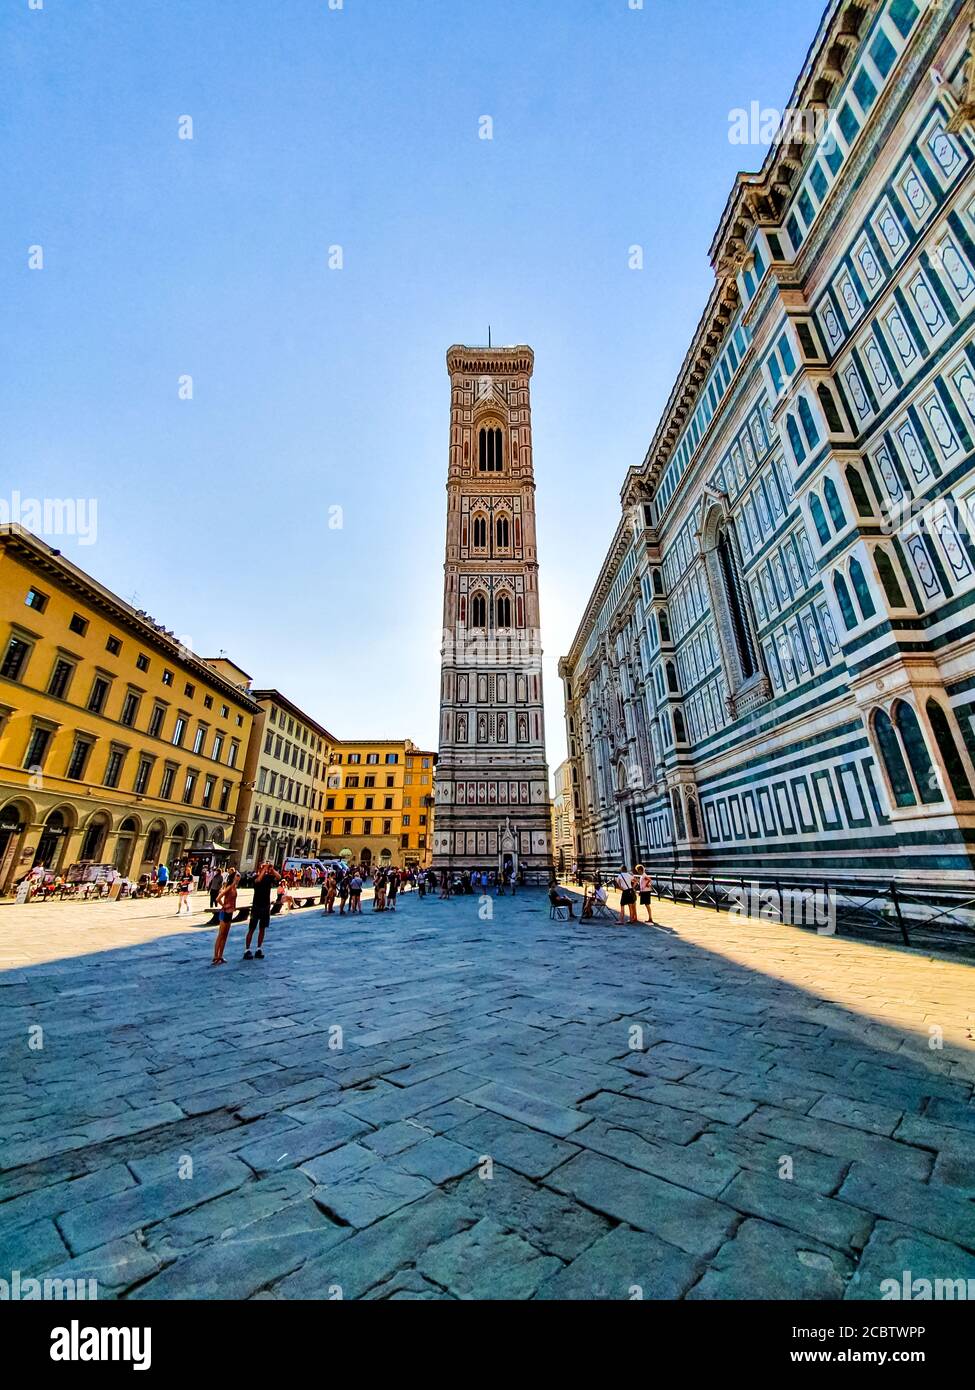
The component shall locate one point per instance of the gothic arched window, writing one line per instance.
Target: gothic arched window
(834, 504)
(808, 423)
(501, 531)
(861, 589)
(948, 749)
(490, 449)
(888, 578)
(736, 604)
(819, 519)
(480, 532)
(858, 492)
(905, 721)
(502, 611)
(894, 765)
(828, 403)
(479, 611)
(845, 602)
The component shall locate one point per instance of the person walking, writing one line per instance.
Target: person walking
(185, 886)
(162, 880)
(344, 882)
(626, 884)
(392, 888)
(331, 887)
(645, 886)
(227, 906)
(260, 913)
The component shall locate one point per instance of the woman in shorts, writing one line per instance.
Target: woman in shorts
(644, 886)
(625, 883)
(227, 906)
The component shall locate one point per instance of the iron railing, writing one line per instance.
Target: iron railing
(857, 906)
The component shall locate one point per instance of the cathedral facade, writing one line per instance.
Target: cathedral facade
(493, 808)
(775, 673)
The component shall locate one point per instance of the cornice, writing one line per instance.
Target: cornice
(43, 558)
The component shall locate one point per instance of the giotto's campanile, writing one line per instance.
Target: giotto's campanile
(493, 805)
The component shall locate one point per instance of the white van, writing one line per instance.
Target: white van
(299, 865)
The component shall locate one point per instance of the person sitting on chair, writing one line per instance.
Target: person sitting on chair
(558, 899)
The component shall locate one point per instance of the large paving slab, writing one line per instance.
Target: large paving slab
(440, 1105)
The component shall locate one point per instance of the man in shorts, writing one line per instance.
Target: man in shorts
(260, 914)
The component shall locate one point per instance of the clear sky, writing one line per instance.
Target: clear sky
(316, 388)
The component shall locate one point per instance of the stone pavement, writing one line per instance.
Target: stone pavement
(434, 1105)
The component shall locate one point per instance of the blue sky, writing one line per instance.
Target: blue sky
(316, 388)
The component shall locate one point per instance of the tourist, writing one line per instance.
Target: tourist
(379, 897)
(260, 913)
(227, 905)
(626, 883)
(344, 882)
(559, 899)
(331, 886)
(214, 883)
(162, 880)
(645, 886)
(355, 893)
(392, 888)
(185, 887)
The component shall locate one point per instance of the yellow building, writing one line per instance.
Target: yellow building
(379, 802)
(117, 744)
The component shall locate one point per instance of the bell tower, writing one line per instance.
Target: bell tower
(493, 804)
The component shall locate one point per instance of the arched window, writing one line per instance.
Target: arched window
(502, 611)
(479, 611)
(948, 748)
(480, 532)
(808, 423)
(798, 448)
(672, 685)
(678, 814)
(905, 721)
(680, 733)
(862, 589)
(858, 492)
(692, 817)
(828, 403)
(658, 583)
(490, 449)
(888, 578)
(896, 768)
(736, 604)
(833, 503)
(819, 519)
(845, 602)
(501, 530)
(664, 627)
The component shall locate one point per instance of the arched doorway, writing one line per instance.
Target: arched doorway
(93, 842)
(125, 846)
(177, 844)
(154, 844)
(366, 857)
(13, 827)
(50, 846)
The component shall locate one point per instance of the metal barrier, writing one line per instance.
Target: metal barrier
(889, 907)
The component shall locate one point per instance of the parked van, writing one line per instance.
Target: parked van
(298, 866)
